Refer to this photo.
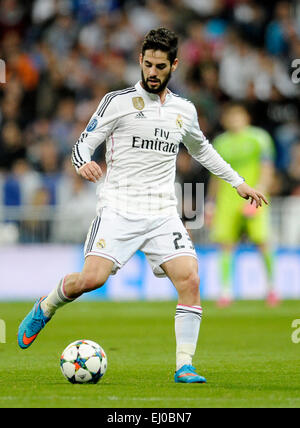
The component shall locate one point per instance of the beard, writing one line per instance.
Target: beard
(160, 88)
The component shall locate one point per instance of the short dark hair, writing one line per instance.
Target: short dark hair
(161, 39)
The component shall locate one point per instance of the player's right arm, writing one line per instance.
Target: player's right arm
(99, 128)
(91, 171)
(200, 149)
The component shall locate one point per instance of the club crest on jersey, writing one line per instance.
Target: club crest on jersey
(179, 121)
(138, 103)
(101, 243)
(92, 125)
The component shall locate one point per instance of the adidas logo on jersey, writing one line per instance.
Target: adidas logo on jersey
(140, 115)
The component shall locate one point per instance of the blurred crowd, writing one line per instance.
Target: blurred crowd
(62, 56)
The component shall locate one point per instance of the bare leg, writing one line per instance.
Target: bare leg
(183, 272)
(95, 272)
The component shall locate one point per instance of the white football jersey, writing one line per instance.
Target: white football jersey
(142, 140)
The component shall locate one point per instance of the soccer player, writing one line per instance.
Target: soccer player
(249, 150)
(143, 127)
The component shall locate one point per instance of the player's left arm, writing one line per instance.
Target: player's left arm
(201, 150)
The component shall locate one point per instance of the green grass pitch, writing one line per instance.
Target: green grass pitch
(245, 352)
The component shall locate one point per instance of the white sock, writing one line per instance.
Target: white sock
(55, 300)
(187, 326)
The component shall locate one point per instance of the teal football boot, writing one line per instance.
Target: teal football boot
(187, 374)
(32, 324)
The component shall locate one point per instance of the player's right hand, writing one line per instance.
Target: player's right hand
(91, 171)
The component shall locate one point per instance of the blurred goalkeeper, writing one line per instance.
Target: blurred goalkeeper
(142, 127)
(250, 151)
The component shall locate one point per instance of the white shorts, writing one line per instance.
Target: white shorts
(117, 238)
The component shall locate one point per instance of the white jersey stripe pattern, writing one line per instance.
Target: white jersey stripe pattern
(93, 234)
(110, 96)
(142, 138)
(77, 159)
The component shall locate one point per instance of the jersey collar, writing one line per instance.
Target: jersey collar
(153, 97)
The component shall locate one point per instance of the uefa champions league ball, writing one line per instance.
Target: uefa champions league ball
(83, 361)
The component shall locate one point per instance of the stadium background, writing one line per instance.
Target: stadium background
(62, 56)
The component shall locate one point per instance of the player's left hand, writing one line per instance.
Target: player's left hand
(255, 196)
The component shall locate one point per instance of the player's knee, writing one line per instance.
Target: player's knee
(89, 282)
(189, 282)
(194, 282)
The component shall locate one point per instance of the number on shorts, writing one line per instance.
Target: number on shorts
(179, 236)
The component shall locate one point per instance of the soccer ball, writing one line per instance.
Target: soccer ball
(83, 361)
